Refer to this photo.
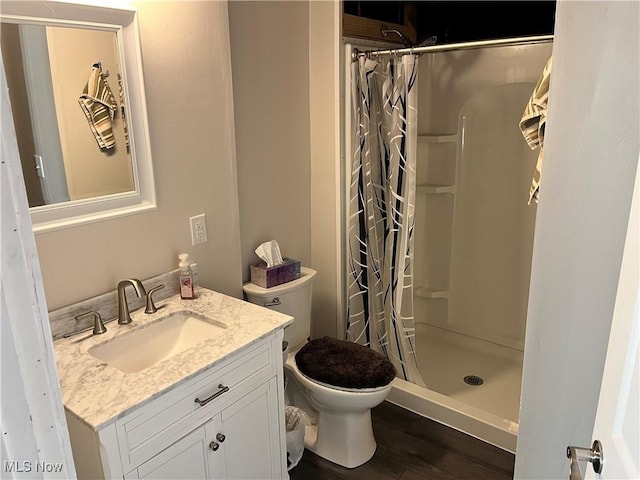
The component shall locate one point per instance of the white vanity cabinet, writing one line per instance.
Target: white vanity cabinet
(244, 451)
(235, 430)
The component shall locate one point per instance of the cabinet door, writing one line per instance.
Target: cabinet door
(187, 458)
(251, 446)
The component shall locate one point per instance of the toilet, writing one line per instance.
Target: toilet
(340, 413)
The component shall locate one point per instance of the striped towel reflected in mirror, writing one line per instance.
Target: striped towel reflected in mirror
(533, 123)
(99, 106)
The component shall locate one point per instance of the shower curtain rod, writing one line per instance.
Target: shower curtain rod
(452, 46)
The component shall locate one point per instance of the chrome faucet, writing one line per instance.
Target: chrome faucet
(123, 307)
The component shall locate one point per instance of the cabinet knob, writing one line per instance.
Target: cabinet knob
(220, 437)
(214, 446)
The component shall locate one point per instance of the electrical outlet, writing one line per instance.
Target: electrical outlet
(198, 229)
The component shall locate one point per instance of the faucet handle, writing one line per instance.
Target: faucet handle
(150, 307)
(98, 324)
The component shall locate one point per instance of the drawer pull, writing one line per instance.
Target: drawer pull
(222, 390)
(220, 437)
(214, 446)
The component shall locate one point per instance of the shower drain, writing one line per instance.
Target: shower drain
(473, 380)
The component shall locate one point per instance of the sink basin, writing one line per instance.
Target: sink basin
(141, 348)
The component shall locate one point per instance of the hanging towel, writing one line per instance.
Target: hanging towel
(99, 106)
(533, 123)
(123, 113)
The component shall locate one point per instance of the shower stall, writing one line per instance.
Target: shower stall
(473, 236)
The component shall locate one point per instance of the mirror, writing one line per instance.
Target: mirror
(75, 82)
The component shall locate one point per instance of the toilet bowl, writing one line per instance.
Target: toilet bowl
(341, 431)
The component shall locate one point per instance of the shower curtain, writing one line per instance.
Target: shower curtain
(381, 210)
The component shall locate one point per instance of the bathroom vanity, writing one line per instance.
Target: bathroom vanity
(194, 390)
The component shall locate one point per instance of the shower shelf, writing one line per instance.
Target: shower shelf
(434, 188)
(443, 138)
(431, 293)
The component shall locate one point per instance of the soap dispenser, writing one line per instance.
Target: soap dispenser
(187, 290)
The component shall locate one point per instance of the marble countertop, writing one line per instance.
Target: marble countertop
(99, 394)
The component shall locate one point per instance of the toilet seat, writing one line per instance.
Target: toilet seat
(344, 365)
(291, 363)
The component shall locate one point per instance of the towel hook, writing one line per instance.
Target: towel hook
(99, 65)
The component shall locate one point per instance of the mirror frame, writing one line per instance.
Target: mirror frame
(123, 21)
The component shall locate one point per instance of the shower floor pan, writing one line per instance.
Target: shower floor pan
(488, 411)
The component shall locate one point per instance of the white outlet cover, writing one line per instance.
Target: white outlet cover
(198, 229)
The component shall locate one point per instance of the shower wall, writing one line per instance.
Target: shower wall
(474, 227)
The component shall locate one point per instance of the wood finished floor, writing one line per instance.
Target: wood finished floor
(411, 447)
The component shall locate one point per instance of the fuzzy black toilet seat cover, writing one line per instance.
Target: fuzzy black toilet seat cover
(344, 364)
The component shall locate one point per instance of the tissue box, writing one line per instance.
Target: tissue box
(268, 277)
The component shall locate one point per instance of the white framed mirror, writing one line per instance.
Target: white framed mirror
(75, 79)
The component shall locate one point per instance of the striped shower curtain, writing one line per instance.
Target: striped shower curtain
(381, 209)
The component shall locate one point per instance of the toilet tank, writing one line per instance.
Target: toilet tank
(292, 298)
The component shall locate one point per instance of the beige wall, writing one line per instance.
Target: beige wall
(270, 59)
(285, 98)
(285, 125)
(185, 46)
(90, 171)
(324, 50)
